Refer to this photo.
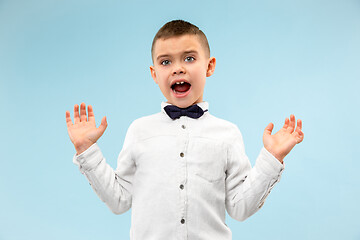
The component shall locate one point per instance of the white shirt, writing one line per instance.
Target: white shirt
(180, 175)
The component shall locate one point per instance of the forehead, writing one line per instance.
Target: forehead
(177, 45)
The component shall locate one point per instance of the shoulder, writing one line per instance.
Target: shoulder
(220, 128)
(221, 124)
(145, 122)
(146, 119)
(149, 126)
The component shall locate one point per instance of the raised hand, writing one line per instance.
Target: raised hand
(281, 143)
(83, 133)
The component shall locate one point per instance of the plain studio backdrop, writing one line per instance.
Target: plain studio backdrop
(274, 58)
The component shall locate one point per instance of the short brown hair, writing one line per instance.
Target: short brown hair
(178, 28)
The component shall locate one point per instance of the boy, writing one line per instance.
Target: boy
(181, 168)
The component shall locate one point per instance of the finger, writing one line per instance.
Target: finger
(299, 126)
(83, 112)
(298, 130)
(299, 137)
(68, 119)
(76, 114)
(291, 123)
(286, 124)
(268, 129)
(102, 126)
(91, 113)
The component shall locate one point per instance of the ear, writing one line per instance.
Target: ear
(211, 67)
(153, 73)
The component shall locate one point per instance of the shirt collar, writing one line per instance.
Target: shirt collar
(204, 106)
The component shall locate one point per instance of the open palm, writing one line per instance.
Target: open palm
(281, 143)
(83, 132)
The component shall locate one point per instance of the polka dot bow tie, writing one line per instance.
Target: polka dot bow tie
(174, 112)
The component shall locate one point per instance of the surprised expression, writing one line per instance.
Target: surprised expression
(181, 66)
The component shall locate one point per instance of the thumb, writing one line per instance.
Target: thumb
(103, 125)
(268, 129)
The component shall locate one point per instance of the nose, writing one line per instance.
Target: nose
(178, 69)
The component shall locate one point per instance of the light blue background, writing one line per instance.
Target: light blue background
(274, 58)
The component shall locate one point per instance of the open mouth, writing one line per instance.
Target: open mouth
(180, 87)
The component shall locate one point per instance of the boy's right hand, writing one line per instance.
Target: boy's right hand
(84, 133)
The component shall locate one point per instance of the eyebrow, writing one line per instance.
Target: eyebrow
(161, 56)
(184, 53)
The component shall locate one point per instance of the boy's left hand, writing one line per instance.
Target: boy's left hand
(281, 143)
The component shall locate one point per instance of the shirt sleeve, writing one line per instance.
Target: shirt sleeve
(114, 187)
(246, 187)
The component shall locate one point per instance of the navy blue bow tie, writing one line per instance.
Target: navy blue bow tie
(175, 112)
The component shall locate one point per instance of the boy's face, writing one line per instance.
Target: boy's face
(181, 66)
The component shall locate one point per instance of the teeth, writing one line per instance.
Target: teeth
(179, 83)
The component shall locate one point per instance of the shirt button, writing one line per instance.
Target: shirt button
(182, 221)
(182, 154)
(183, 126)
(182, 186)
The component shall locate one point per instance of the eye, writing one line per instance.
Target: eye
(189, 59)
(165, 62)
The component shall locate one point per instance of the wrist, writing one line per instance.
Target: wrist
(80, 148)
(279, 157)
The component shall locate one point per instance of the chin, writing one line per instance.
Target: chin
(183, 104)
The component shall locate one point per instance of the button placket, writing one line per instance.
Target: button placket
(183, 139)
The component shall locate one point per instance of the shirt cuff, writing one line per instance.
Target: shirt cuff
(89, 159)
(268, 164)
